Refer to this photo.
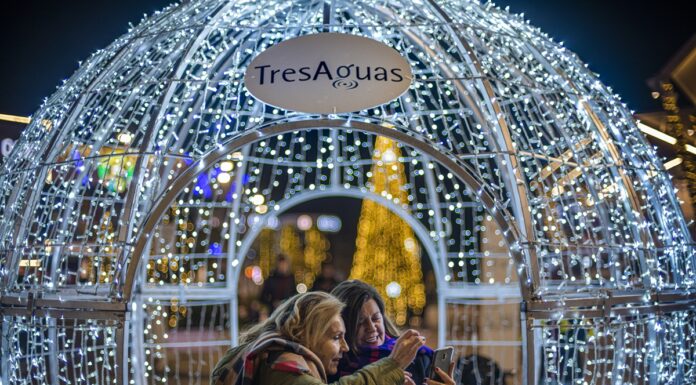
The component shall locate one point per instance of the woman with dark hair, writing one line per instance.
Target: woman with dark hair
(371, 335)
(301, 343)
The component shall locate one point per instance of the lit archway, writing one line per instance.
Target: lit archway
(431, 235)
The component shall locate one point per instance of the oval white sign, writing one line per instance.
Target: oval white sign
(6, 146)
(328, 73)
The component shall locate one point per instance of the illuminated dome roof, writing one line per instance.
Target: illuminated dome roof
(501, 127)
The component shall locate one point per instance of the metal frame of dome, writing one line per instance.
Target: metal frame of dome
(538, 143)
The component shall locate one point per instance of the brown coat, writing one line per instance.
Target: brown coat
(240, 365)
(382, 372)
(274, 360)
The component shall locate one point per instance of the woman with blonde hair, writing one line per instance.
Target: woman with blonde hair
(301, 343)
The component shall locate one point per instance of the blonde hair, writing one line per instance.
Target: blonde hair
(303, 318)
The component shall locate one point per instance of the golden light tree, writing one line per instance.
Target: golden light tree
(387, 254)
(305, 258)
(315, 252)
(291, 246)
(266, 251)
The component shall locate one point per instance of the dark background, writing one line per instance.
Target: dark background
(626, 42)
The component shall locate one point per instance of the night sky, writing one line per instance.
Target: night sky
(626, 42)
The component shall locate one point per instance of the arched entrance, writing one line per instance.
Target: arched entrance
(435, 220)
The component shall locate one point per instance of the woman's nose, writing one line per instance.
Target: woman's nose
(344, 345)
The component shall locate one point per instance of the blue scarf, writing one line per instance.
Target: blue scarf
(350, 363)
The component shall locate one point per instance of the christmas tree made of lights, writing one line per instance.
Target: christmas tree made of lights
(387, 255)
(305, 261)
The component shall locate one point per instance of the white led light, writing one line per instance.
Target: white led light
(125, 138)
(257, 199)
(393, 290)
(223, 178)
(226, 166)
(304, 222)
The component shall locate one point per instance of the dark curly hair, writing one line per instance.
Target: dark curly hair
(354, 294)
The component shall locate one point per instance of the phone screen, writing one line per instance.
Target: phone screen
(441, 359)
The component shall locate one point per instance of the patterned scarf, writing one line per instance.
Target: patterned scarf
(285, 356)
(350, 363)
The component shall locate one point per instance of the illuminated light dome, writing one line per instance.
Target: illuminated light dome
(530, 187)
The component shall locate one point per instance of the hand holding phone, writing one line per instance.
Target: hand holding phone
(442, 358)
(406, 347)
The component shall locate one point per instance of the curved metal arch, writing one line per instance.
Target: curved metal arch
(494, 209)
(51, 150)
(133, 196)
(420, 231)
(511, 167)
(609, 149)
(499, 134)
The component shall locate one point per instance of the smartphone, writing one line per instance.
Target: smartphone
(441, 359)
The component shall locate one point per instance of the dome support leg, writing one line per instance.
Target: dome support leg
(233, 250)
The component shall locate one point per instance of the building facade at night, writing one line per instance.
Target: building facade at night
(674, 90)
(10, 129)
